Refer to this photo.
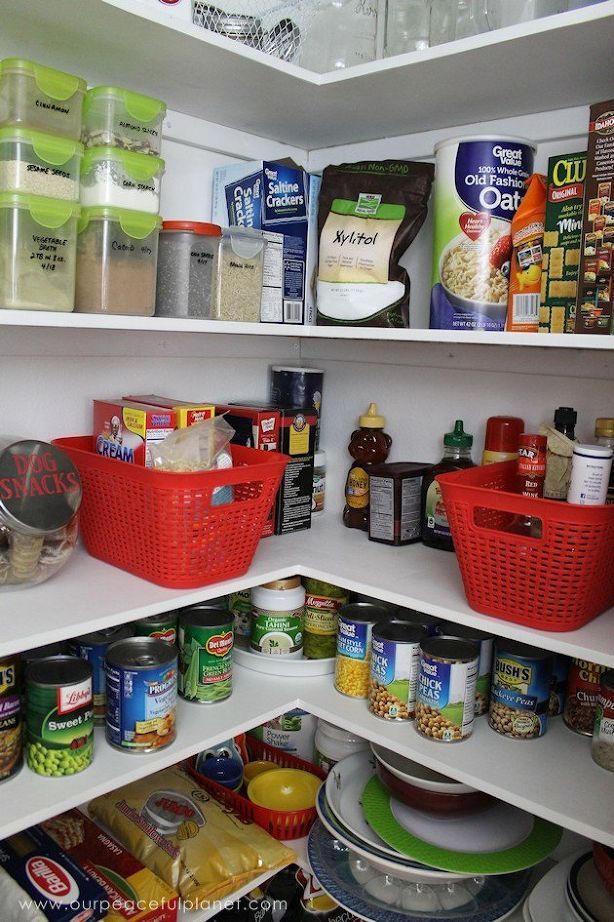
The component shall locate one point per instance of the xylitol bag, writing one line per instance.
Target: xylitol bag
(369, 213)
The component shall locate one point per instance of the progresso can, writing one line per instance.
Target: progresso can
(59, 715)
(205, 654)
(395, 657)
(445, 700)
(352, 664)
(93, 648)
(484, 643)
(11, 728)
(520, 692)
(480, 183)
(162, 627)
(141, 694)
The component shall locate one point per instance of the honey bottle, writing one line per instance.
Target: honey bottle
(368, 445)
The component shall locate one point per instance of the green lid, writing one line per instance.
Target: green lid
(54, 83)
(141, 108)
(140, 167)
(48, 212)
(135, 224)
(458, 438)
(48, 147)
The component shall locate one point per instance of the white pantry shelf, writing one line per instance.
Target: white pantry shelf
(88, 595)
(546, 64)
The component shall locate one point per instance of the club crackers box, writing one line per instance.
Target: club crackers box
(255, 427)
(279, 199)
(561, 248)
(125, 430)
(187, 414)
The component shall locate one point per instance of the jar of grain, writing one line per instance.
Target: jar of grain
(40, 164)
(117, 251)
(187, 269)
(239, 288)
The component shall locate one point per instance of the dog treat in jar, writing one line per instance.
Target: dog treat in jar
(59, 715)
(484, 643)
(93, 648)
(205, 639)
(162, 627)
(395, 656)
(558, 685)
(520, 690)
(445, 700)
(11, 729)
(352, 672)
(603, 731)
(141, 694)
(582, 690)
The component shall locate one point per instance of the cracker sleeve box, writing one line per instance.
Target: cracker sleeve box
(134, 892)
(187, 413)
(126, 430)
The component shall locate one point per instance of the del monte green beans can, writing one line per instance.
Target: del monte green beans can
(205, 638)
(59, 715)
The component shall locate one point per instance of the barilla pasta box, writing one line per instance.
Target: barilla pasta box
(126, 430)
(274, 198)
(132, 890)
(255, 427)
(561, 247)
(49, 879)
(187, 413)
(594, 306)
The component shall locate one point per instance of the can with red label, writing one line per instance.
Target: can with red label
(205, 638)
(582, 692)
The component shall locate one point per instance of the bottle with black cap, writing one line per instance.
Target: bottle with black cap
(560, 452)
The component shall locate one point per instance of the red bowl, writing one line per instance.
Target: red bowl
(432, 801)
(603, 856)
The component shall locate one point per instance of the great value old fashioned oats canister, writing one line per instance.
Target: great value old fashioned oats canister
(445, 699)
(520, 690)
(479, 182)
(93, 648)
(352, 665)
(395, 659)
(205, 639)
(141, 694)
(59, 715)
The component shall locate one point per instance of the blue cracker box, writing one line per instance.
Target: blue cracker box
(281, 200)
(54, 883)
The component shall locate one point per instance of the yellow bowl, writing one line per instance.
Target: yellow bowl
(252, 769)
(284, 789)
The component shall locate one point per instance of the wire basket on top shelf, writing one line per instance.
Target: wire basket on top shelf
(274, 27)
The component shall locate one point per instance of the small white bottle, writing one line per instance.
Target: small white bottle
(333, 744)
(590, 474)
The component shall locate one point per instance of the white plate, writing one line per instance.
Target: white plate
(586, 894)
(494, 830)
(418, 775)
(344, 786)
(281, 665)
(546, 901)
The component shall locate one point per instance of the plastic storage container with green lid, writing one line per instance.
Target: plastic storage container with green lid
(38, 248)
(116, 261)
(37, 163)
(121, 178)
(119, 118)
(40, 97)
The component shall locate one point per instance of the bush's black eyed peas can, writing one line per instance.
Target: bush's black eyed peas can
(59, 715)
(520, 692)
(11, 726)
(206, 639)
(141, 694)
(352, 665)
(445, 700)
(395, 657)
(162, 627)
(93, 648)
(485, 644)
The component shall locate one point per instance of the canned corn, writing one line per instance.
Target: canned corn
(354, 647)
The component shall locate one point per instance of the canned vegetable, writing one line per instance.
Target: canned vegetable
(520, 693)
(93, 648)
(11, 744)
(395, 656)
(484, 643)
(162, 627)
(205, 654)
(445, 700)
(356, 622)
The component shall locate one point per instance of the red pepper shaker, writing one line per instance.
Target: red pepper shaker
(532, 464)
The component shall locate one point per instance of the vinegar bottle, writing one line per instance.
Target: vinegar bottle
(368, 445)
(456, 455)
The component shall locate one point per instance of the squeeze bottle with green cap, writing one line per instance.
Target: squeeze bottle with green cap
(368, 445)
(456, 455)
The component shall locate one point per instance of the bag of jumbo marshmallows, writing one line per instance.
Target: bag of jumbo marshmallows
(369, 213)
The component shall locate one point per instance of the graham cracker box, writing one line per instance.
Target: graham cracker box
(561, 248)
(125, 430)
(595, 287)
(187, 413)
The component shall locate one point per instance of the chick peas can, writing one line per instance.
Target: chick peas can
(59, 715)
(352, 672)
(484, 643)
(520, 692)
(395, 657)
(205, 639)
(445, 699)
(141, 694)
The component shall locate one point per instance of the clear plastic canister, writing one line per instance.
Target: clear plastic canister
(239, 289)
(121, 178)
(121, 118)
(187, 269)
(40, 97)
(36, 163)
(116, 261)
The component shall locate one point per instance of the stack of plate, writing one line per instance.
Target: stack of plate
(386, 861)
(571, 892)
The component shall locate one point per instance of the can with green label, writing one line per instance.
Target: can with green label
(59, 715)
(162, 627)
(205, 638)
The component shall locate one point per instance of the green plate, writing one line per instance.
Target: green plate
(539, 843)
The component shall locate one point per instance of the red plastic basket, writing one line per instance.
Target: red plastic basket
(557, 581)
(162, 526)
(281, 824)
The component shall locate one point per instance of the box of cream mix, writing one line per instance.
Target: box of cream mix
(281, 200)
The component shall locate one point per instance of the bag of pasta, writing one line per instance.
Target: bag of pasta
(182, 834)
